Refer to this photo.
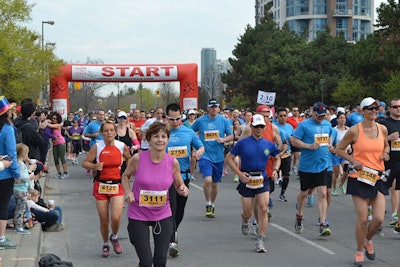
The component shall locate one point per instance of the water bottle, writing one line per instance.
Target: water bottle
(385, 175)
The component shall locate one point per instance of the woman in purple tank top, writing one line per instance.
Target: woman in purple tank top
(155, 172)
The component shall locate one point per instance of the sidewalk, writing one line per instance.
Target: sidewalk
(29, 247)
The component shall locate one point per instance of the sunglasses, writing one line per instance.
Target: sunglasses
(395, 106)
(174, 119)
(259, 126)
(123, 117)
(372, 108)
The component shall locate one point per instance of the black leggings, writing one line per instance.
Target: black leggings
(178, 204)
(139, 235)
(6, 191)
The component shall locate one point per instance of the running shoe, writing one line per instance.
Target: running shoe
(7, 244)
(358, 259)
(326, 222)
(394, 219)
(22, 231)
(298, 226)
(260, 247)
(397, 228)
(369, 250)
(236, 179)
(192, 178)
(311, 200)
(105, 252)
(115, 243)
(342, 189)
(324, 230)
(173, 250)
(64, 176)
(279, 181)
(210, 211)
(282, 198)
(379, 232)
(269, 215)
(245, 227)
(58, 175)
(334, 192)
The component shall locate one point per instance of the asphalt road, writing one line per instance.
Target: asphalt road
(219, 241)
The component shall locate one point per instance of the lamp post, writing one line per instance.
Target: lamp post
(50, 22)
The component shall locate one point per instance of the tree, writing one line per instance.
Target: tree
(391, 88)
(22, 61)
(168, 94)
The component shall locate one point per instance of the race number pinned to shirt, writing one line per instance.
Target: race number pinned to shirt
(211, 135)
(321, 139)
(368, 176)
(178, 151)
(395, 145)
(256, 180)
(111, 189)
(266, 98)
(149, 198)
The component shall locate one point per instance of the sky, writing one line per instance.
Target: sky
(142, 31)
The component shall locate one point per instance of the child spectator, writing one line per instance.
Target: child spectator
(49, 218)
(21, 187)
(75, 134)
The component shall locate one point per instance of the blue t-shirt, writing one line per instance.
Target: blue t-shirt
(254, 154)
(309, 131)
(354, 118)
(209, 129)
(179, 146)
(286, 131)
(93, 127)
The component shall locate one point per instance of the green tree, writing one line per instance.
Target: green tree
(23, 64)
(391, 88)
(348, 92)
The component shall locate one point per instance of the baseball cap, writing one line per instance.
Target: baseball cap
(212, 103)
(368, 101)
(263, 108)
(257, 120)
(383, 104)
(341, 110)
(191, 112)
(319, 109)
(122, 114)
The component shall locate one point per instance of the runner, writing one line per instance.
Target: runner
(180, 144)
(312, 136)
(213, 130)
(369, 141)
(254, 184)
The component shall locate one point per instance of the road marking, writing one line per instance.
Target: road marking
(299, 237)
(196, 186)
(315, 245)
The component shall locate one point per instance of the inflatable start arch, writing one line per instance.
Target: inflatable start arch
(186, 74)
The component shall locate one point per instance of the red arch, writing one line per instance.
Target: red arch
(186, 74)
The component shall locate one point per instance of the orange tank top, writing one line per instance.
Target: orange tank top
(268, 134)
(368, 151)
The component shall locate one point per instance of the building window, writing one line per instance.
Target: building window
(319, 25)
(297, 7)
(341, 27)
(319, 7)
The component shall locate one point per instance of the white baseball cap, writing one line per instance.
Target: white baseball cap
(257, 119)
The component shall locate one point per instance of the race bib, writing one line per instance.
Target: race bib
(321, 139)
(256, 181)
(110, 189)
(178, 151)
(368, 176)
(211, 135)
(149, 198)
(75, 137)
(395, 145)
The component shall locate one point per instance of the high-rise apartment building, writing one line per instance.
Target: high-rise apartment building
(351, 18)
(208, 60)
